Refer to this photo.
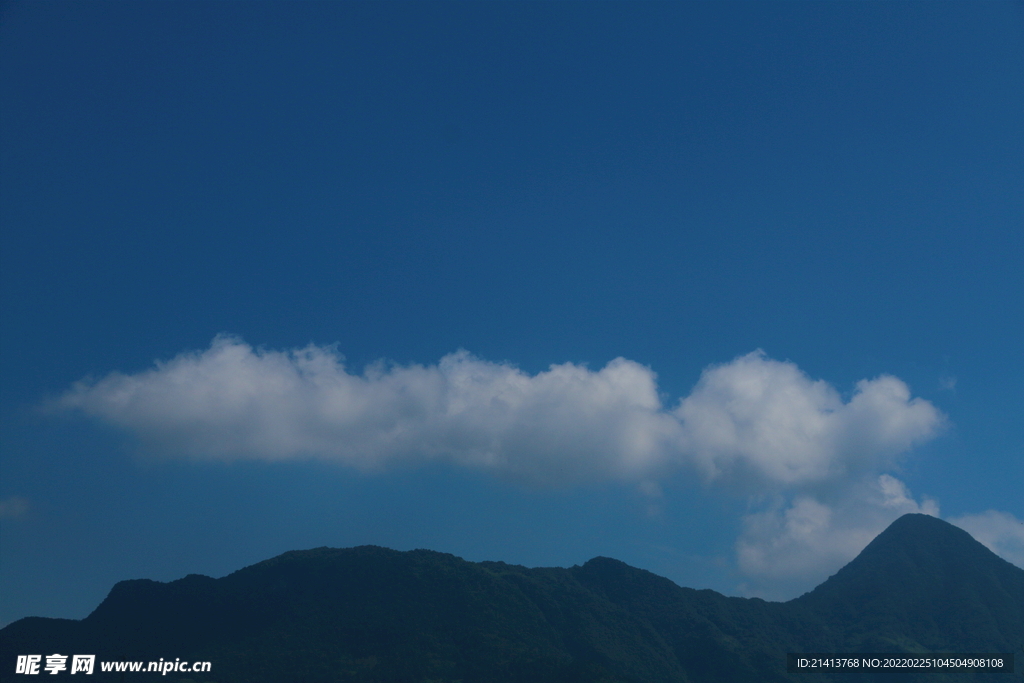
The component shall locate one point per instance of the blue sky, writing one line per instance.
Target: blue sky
(717, 289)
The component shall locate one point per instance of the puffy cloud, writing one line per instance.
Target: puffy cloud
(755, 423)
(231, 401)
(12, 507)
(790, 548)
(1000, 532)
(753, 419)
(767, 419)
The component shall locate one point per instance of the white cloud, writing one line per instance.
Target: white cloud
(1000, 532)
(753, 423)
(766, 419)
(753, 418)
(566, 424)
(12, 507)
(790, 548)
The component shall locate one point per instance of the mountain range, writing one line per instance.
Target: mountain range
(371, 614)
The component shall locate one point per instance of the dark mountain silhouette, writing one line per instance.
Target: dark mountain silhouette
(923, 585)
(373, 614)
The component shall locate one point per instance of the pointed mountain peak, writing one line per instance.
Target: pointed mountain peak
(921, 541)
(924, 566)
(915, 548)
(917, 524)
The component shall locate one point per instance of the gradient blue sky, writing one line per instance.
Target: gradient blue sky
(800, 227)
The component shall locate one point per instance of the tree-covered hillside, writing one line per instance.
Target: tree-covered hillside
(372, 614)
